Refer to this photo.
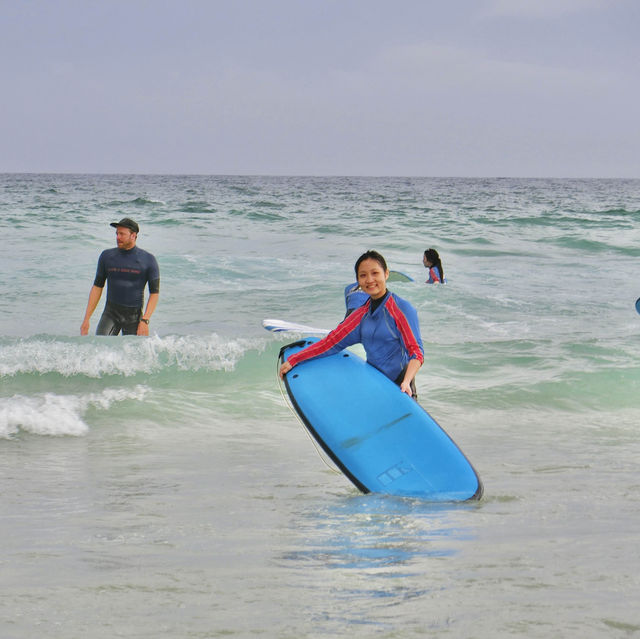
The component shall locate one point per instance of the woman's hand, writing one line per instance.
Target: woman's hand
(412, 368)
(284, 369)
(405, 387)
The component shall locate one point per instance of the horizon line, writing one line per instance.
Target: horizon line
(320, 175)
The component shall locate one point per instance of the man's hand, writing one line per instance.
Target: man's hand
(143, 328)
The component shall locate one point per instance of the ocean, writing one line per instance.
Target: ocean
(161, 486)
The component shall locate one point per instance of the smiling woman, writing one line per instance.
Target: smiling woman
(372, 274)
(386, 325)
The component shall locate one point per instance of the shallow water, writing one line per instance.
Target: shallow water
(162, 487)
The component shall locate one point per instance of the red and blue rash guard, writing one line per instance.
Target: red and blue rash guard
(127, 273)
(390, 336)
(434, 275)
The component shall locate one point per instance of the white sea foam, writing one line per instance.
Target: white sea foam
(99, 357)
(52, 414)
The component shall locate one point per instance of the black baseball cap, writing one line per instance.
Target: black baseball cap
(128, 223)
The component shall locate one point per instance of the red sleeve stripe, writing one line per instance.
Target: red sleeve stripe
(334, 337)
(409, 339)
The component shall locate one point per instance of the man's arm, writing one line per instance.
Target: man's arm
(94, 297)
(143, 327)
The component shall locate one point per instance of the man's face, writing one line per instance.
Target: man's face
(125, 238)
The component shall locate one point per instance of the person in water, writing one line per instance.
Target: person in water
(126, 269)
(431, 261)
(386, 325)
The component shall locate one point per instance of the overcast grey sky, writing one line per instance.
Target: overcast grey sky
(321, 87)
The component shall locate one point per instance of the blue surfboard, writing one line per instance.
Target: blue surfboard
(638, 305)
(378, 436)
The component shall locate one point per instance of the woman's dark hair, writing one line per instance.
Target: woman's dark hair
(371, 255)
(432, 256)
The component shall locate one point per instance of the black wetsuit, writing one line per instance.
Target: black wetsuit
(127, 273)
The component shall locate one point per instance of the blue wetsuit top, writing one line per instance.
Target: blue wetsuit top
(127, 272)
(390, 335)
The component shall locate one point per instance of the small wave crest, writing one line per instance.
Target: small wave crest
(58, 415)
(136, 202)
(104, 356)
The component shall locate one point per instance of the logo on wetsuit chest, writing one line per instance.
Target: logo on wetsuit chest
(115, 269)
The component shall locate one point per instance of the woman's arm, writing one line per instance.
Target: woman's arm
(345, 334)
(412, 368)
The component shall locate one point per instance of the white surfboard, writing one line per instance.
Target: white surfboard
(281, 326)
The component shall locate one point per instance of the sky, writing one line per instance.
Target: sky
(468, 88)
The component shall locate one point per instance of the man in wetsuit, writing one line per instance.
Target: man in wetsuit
(127, 269)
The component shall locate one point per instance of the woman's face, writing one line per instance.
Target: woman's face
(372, 278)
(426, 262)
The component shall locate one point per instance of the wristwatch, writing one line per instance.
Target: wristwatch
(146, 321)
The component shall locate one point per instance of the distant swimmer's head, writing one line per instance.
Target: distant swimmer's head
(431, 257)
(372, 273)
(126, 233)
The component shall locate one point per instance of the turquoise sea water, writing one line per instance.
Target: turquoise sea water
(161, 487)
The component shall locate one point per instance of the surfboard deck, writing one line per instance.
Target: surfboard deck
(638, 305)
(379, 437)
